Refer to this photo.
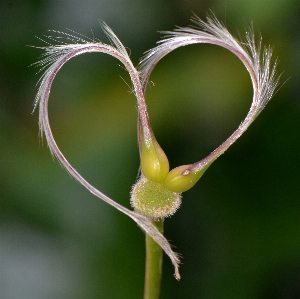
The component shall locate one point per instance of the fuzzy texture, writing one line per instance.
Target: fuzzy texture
(257, 62)
(153, 199)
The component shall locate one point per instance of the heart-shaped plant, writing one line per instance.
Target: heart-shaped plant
(157, 194)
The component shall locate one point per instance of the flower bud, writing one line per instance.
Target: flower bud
(183, 178)
(153, 199)
(154, 162)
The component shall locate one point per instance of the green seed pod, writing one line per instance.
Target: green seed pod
(183, 178)
(154, 162)
(153, 199)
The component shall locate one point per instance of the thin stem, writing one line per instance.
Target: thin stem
(154, 257)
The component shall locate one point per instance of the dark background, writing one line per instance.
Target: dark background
(238, 229)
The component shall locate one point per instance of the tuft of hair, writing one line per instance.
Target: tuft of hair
(257, 60)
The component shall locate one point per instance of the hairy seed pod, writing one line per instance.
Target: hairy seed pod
(153, 199)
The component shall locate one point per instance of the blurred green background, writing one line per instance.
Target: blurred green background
(238, 230)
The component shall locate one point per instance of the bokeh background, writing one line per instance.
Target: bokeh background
(238, 230)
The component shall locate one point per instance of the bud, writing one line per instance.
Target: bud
(154, 162)
(183, 178)
(153, 199)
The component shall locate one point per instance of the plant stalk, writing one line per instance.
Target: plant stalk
(153, 271)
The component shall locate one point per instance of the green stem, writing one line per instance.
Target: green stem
(154, 256)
